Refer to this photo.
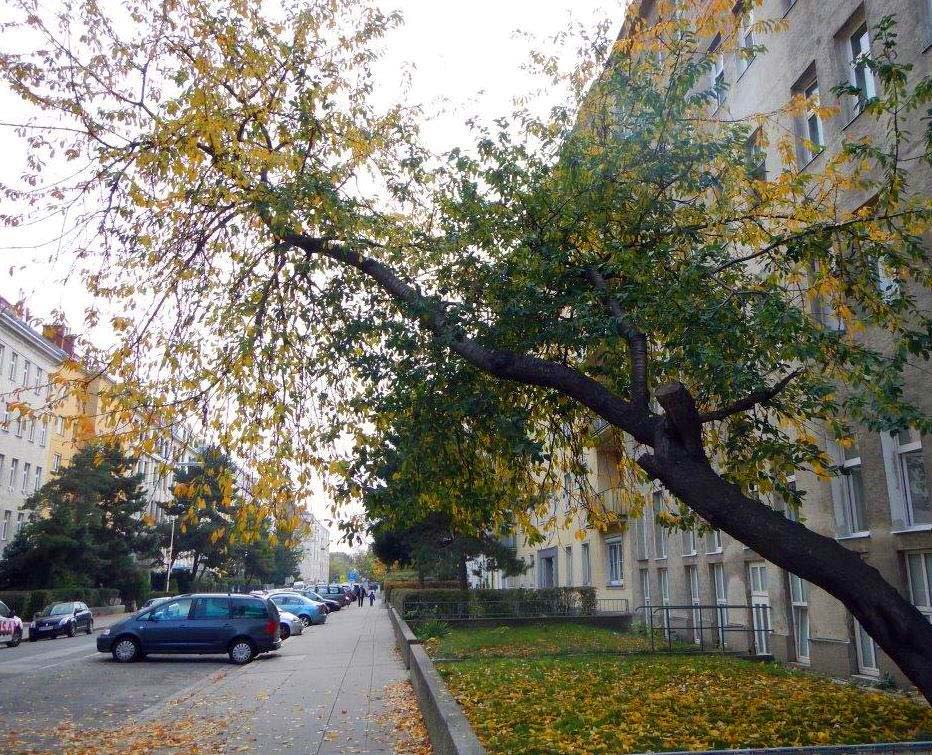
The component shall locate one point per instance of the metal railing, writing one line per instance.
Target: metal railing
(608, 606)
(705, 628)
(465, 610)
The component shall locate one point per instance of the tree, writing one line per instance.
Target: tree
(614, 259)
(87, 528)
(340, 565)
(435, 548)
(203, 509)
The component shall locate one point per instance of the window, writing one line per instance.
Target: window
(2, 465)
(721, 600)
(14, 360)
(18, 430)
(867, 651)
(176, 610)
(758, 572)
(14, 468)
(642, 537)
(6, 419)
(27, 467)
(43, 432)
(663, 585)
(568, 555)
(645, 586)
(717, 72)
(745, 37)
(56, 462)
(20, 521)
(38, 483)
(853, 519)
(244, 608)
(822, 309)
(7, 518)
(913, 478)
(567, 498)
(211, 608)
(812, 135)
(31, 431)
(2, 353)
(713, 541)
(586, 565)
(27, 373)
(756, 156)
(692, 582)
(60, 425)
(660, 532)
(689, 542)
(613, 549)
(40, 378)
(799, 599)
(919, 576)
(862, 78)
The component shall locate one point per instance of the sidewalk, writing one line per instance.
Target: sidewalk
(322, 693)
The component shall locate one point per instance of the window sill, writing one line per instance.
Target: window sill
(854, 536)
(660, 558)
(642, 558)
(853, 118)
(812, 159)
(614, 585)
(746, 68)
(690, 555)
(914, 528)
(714, 553)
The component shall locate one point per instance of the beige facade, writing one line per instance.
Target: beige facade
(881, 506)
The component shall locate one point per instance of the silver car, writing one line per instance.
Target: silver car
(289, 624)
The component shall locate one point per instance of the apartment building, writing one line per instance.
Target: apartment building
(26, 362)
(880, 506)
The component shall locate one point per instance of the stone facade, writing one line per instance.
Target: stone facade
(315, 561)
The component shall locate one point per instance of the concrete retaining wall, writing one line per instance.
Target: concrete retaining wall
(894, 748)
(450, 732)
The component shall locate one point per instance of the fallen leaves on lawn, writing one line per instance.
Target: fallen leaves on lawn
(655, 703)
(403, 717)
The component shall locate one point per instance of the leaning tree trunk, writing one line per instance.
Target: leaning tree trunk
(896, 625)
(462, 576)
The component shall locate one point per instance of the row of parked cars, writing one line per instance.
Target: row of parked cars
(242, 626)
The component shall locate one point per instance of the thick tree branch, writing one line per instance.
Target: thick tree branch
(756, 398)
(520, 368)
(637, 340)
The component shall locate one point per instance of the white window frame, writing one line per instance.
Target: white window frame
(695, 599)
(813, 129)
(919, 580)
(44, 433)
(717, 72)
(568, 555)
(867, 662)
(799, 607)
(642, 537)
(38, 478)
(27, 373)
(56, 462)
(859, 46)
(20, 521)
(689, 542)
(14, 471)
(27, 468)
(716, 541)
(745, 55)
(614, 573)
(31, 432)
(7, 518)
(586, 565)
(644, 577)
(18, 432)
(663, 589)
(14, 363)
(853, 507)
(902, 450)
(720, 587)
(660, 532)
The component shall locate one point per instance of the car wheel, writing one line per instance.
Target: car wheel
(70, 630)
(284, 630)
(125, 650)
(90, 626)
(242, 651)
(17, 638)
(33, 637)
(306, 620)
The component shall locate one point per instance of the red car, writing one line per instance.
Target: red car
(11, 626)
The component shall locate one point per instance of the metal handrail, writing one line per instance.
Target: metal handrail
(720, 627)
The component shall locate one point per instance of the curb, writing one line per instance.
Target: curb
(886, 748)
(449, 730)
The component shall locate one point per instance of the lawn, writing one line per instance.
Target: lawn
(661, 702)
(536, 640)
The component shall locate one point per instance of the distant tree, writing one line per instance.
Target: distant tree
(340, 565)
(87, 526)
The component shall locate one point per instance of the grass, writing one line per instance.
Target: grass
(567, 688)
(535, 640)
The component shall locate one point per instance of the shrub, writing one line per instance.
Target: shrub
(38, 599)
(391, 585)
(432, 628)
(477, 604)
(16, 600)
(134, 587)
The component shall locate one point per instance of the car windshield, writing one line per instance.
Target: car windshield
(313, 596)
(57, 609)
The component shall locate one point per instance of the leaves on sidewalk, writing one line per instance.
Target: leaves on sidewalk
(403, 716)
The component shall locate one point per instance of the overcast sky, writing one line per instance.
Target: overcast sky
(466, 60)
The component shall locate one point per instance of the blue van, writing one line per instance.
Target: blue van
(243, 626)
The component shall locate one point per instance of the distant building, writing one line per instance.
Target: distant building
(315, 561)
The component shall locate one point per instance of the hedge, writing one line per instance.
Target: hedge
(478, 604)
(400, 584)
(27, 603)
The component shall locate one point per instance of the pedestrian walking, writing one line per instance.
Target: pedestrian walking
(360, 596)
(371, 597)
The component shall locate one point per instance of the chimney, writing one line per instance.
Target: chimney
(68, 344)
(55, 332)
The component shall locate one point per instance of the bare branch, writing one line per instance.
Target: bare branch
(756, 398)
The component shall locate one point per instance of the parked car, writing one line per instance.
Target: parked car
(309, 611)
(332, 592)
(331, 603)
(11, 626)
(290, 624)
(298, 584)
(61, 618)
(243, 626)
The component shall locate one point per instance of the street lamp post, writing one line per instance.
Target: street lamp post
(169, 561)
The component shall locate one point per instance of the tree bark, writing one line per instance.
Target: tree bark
(462, 575)
(680, 463)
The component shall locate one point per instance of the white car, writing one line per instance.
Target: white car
(289, 624)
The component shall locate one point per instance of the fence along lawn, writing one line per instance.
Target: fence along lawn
(635, 703)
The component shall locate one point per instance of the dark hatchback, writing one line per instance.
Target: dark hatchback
(243, 626)
(61, 618)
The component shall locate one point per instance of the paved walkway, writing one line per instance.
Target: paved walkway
(322, 693)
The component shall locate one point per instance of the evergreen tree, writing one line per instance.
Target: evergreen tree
(87, 527)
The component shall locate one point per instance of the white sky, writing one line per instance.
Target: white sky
(466, 61)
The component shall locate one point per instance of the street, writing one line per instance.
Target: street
(321, 693)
